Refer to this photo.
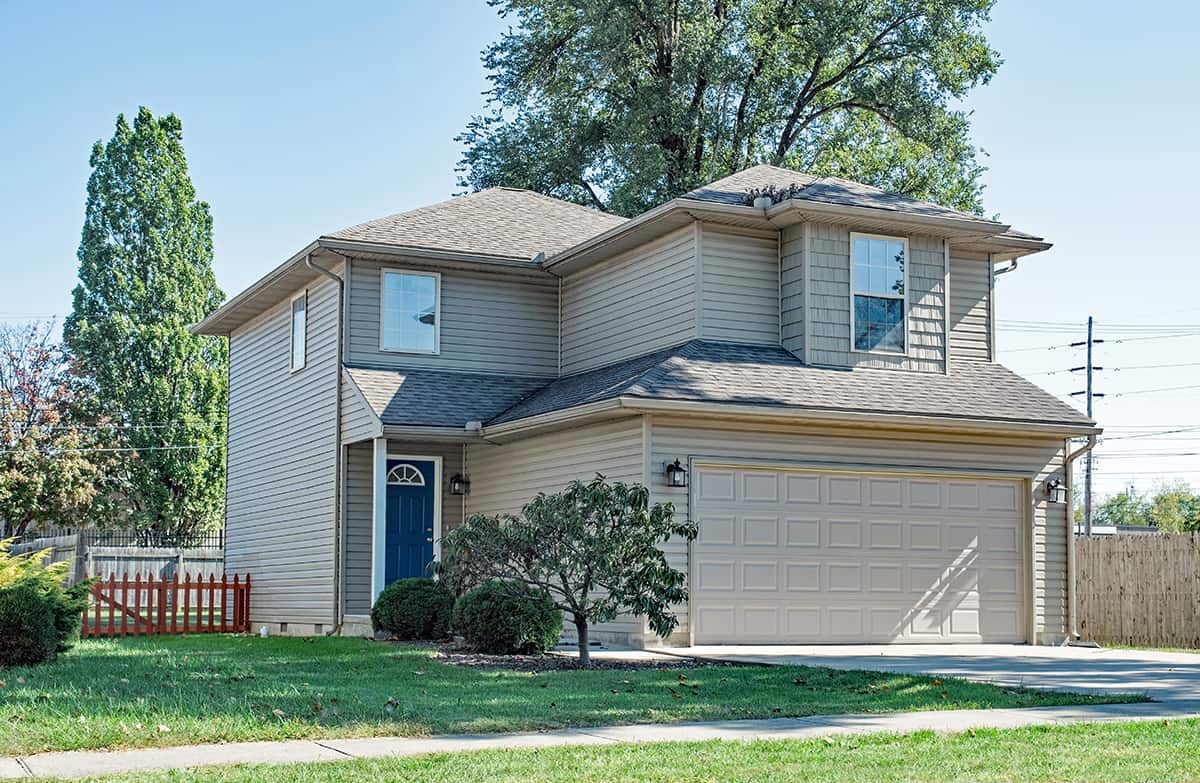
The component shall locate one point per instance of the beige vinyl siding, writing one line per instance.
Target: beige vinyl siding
(791, 289)
(360, 501)
(359, 422)
(282, 473)
(630, 305)
(504, 478)
(678, 438)
(830, 300)
(970, 306)
(740, 286)
(1050, 541)
(491, 321)
(359, 504)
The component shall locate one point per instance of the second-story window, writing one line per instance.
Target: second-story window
(410, 312)
(878, 280)
(299, 331)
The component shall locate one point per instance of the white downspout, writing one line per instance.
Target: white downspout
(1072, 592)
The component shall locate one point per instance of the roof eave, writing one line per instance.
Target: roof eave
(627, 404)
(212, 325)
(796, 210)
(350, 247)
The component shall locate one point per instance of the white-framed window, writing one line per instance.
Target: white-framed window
(410, 311)
(299, 330)
(879, 293)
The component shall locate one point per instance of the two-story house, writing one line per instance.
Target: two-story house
(812, 381)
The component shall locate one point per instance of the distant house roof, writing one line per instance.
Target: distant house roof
(420, 397)
(503, 222)
(705, 371)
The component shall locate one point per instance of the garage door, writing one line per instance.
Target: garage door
(799, 556)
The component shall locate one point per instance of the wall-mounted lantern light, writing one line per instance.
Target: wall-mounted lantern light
(459, 484)
(676, 474)
(1056, 491)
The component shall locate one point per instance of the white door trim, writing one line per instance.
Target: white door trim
(379, 511)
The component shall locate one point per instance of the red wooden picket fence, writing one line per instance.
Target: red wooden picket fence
(142, 607)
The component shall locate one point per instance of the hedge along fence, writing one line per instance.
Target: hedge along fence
(150, 606)
(1141, 590)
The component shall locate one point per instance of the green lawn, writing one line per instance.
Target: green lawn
(190, 689)
(1094, 753)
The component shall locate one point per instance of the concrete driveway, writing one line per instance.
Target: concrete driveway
(1162, 676)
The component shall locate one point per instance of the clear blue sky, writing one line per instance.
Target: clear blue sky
(308, 117)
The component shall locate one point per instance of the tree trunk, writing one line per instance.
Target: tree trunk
(581, 633)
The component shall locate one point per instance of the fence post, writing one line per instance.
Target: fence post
(246, 605)
(212, 602)
(187, 601)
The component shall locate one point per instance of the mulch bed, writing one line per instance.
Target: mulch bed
(456, 656)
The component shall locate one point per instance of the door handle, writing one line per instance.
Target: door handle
(430, 539)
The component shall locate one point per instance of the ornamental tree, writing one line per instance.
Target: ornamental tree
(594, 548)
(145, 276)
(53, 468)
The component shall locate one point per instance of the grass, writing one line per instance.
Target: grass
(1095, 753)
(172, 690)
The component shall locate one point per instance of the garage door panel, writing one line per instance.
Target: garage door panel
(943, 563)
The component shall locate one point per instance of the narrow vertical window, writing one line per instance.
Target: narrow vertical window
(878, 317)
(299, 331)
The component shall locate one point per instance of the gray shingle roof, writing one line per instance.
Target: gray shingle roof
(705, 371)
(495, 222)
(436, 398)
(829, 190)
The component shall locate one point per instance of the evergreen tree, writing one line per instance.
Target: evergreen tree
(145, 275)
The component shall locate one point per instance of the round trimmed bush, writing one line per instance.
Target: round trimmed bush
(506, 618)
(417, 608)
(29, 632)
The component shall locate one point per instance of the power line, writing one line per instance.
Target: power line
(54, 451)
(1156, 391)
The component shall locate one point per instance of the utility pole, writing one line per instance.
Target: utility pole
(1091, 369)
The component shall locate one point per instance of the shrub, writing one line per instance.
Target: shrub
(507, 617)
(416, 608)
(28, 632)
(39, 618)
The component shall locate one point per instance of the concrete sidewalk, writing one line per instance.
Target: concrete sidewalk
(77, 764)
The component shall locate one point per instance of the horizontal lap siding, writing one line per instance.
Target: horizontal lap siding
(678, 438)
(282, 469)
(492, 322)
(830, 300)
(791, 292)
(360, 501)
(970, 306)
(359, 422)
(504, 478)
(630, 305)
(740, 282)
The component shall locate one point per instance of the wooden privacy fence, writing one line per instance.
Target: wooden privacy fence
(1139, 590)
(139, 607)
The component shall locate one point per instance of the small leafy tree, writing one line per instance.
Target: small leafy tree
(53, 469)
(593, 548)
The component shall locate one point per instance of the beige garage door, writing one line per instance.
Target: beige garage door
(799, 556)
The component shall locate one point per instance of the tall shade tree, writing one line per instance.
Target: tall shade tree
(624, 104)
(145, 275)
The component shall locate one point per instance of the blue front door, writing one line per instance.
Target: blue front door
(411, 487)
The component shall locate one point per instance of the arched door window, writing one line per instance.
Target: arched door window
(406, 475)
